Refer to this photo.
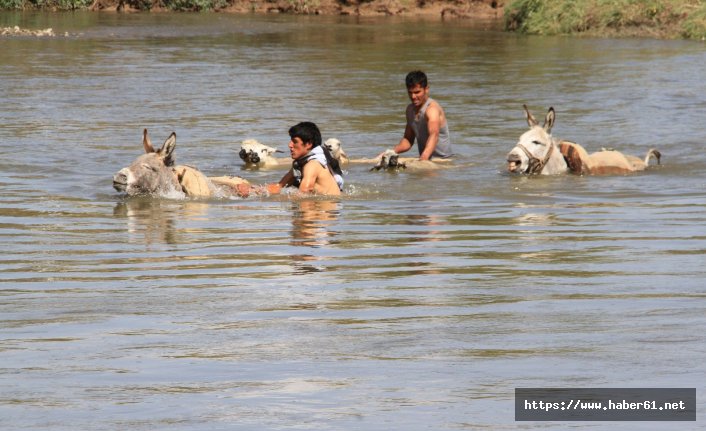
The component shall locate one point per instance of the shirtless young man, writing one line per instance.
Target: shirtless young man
(426, 121)
(313, 170)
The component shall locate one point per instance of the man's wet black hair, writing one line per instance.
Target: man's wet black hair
(416, 77)
(307, 132)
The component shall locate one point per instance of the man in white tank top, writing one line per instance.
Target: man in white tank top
(426, 121)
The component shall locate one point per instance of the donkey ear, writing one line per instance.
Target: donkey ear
(167, 150)
(146, 142)
(531, 121)
(549, 120)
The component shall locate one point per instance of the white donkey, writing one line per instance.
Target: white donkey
(538, 152)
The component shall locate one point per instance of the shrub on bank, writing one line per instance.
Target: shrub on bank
(694, 26)
(663, 18)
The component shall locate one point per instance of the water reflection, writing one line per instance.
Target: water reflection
(312, 221)
(154, 221)
(536, 219)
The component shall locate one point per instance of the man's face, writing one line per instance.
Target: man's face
(418, 94)
(297, 148)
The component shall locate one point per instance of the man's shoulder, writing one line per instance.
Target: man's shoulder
(434, 104)
(434, 109)
(312, 165)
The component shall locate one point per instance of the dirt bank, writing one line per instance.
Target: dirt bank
(461, 9)
(482, 9)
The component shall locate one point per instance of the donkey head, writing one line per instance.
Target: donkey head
(150, 173)
(534, 148)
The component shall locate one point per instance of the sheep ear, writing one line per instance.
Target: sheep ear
(167, 150)
(146, 142)
(531, 121)
(549, 120)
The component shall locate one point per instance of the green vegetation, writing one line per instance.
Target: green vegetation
(189, 5)
(654, 18)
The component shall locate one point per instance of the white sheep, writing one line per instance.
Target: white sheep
(255, 154)
(336, 149)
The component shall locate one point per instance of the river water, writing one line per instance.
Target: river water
(418, 301)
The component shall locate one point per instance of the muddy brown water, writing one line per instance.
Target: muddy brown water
(417, 301)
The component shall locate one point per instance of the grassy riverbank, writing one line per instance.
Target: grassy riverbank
(666, 19)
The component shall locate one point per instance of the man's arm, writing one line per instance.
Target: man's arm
(433, 115)
(408, 138)
(287, 180)
(245, 190)
(406, 141)
(310, 173)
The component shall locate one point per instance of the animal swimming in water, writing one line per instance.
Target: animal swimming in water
(389, 160)
(154, 173)
(256, 154)
(336, 149)
(538, 152)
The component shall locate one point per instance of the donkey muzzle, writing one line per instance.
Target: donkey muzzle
(513, 162)
(120, 181)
